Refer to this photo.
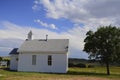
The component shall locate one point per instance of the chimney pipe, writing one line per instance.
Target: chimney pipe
(46, 37)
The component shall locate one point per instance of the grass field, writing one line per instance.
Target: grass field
(97, 73)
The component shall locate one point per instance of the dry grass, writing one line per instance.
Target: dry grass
(73, 78)
(73, 74)
(54, 78)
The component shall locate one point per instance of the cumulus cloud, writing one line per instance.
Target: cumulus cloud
(104, 12)
(6, 45)
(91, 13)
(51, 26)
(13, 35)
(36, 5)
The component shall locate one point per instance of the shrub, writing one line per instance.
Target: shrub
(90, 66)
(0, 58)
(71, 65)
(81, 65)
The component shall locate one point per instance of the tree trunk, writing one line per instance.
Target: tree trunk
(107, 67)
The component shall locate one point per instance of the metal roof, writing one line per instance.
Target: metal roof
(49, 45)
(14, 51)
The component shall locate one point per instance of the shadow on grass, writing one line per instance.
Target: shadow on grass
(7, 69)
(85, 73)
(75, 73)
(93, 74)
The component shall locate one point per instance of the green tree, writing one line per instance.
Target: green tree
(104, 44)
(0, 58)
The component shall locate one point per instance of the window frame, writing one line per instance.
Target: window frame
(33, 59)
(49, 60)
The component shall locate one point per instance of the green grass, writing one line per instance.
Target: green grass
(97, 71)
(3, 66)
(73, 74)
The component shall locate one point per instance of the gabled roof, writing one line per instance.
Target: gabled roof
(14, 51)
(49, 45)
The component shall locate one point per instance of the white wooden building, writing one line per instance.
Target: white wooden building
(41, 55)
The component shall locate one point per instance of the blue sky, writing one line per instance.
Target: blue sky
(21, 13)
(58, 18)
(16, 11)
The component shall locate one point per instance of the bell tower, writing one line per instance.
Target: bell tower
(30, 35)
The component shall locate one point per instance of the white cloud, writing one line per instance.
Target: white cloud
(36, 5)
(12, 35)
(13, 31)
(6, 45)
(36, 2)
(70, 9)
(91, 13)
(51, 26)
(83, 11)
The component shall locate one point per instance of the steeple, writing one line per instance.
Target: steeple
(30, 35)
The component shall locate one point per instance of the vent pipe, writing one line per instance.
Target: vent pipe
(46, 37)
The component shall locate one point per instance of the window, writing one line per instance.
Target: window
(49, 60)
(16, 59)
(33, 59)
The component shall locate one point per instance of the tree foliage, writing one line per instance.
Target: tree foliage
(104, 44)
(0, 58)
